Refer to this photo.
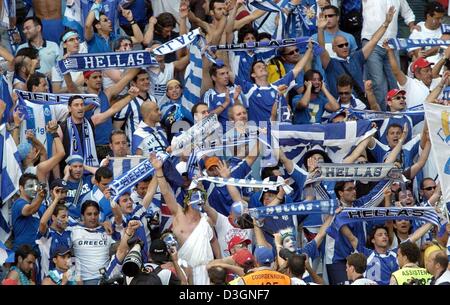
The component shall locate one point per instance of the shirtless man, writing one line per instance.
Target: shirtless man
(192, 228)
(50, 13)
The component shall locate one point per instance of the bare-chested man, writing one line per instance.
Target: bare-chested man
(192, 228)
(50, 13)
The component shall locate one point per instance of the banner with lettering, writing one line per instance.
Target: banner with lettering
(296, 208)
(103, 61)
(177, 43)
(358, 172)
(43, 98)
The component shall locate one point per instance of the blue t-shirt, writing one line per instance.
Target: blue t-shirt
(24, 228)
(312, 114)
(261, 99)
(354, 65)
(380, 266)
(214, 99)
(103, 130)
(98, 44)
(329, 37)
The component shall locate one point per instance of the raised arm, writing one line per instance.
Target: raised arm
(225, 172)
(306, 98)
(398, 73)
(148, 36)
(103, 116)
(434, 94)
(358, 151)
(88, 28)
(43, 222)
(165, 189)
(137, 37)
(151, 191)
(370, 46)
(302, 62)
(323, 230)
(332, 104)
(423, 157)
(43, 168)
(324, 56)
(117, 87)
(371, 99)
(33, 207)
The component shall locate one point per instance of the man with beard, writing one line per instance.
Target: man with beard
(49, 238)
(24, 211)
(309, 106)
(21, 272)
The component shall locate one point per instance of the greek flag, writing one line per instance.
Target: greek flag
(120, 165)
(338, 138)
(270, 6)
(193, 75)
(72, 17)
(10, 173)
(6, 97)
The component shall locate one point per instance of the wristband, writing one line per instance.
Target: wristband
(159, 176)
(132, 22)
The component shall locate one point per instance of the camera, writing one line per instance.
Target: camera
(40, 186)
(132, 263)
(115, 280)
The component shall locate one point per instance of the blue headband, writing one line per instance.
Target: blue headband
(69, 35)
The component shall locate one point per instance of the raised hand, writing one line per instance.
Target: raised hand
(133, 91)
(321, 21)
(308, 85)
(390, 15)
(52, 126)
(224, 170)
(368, 85)
(156, 162)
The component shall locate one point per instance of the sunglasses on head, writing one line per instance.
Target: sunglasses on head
(429, 188)
(292, 52)
(342, 45)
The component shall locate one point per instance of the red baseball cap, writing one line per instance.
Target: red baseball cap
(88, 74)
(236, 240)
(420, 63)
(243, 256)
(393, 93)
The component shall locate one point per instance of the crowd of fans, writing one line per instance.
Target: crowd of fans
(67, 227)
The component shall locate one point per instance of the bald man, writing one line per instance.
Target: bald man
(436, 263)
(149, 136)
(346, 62)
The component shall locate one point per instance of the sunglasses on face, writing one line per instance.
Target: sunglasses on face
(342, 45)
(429, 188)
(400, 97)
(329, 15)
(292, 52)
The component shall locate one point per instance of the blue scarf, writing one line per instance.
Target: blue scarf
(124, 182)
(177, 43)
(270, 6)
(43, 98)
(102, 61)
(382, 115)
(445, 28)
(402, 43)
(352, 215)
(348, 172)
(83, 146)
(296, 208)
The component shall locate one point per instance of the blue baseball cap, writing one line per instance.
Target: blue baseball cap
(264, 255)
(24, 149)
(60, 250)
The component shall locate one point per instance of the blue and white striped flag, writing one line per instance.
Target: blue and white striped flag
(10, 173)
(6, 254)
(120, 165)
(72, 17)
(337, 138)
(6, 97)
(270, 6)
(193, 75)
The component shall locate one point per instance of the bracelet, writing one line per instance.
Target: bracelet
(55, 135)
(128, 234)
(132, 22)
(159, 176)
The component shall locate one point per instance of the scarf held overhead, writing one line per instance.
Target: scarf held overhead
(110, 60)
(43, 98)
(402, 43)
(365, 172)
(296, 208)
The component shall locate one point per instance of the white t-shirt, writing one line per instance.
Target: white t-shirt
(417, 91)
(58, 77)
(226, 231)
(364, 281)
(91, 250)
(158, 80)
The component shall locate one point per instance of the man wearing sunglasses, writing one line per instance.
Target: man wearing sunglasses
(331, 14)
(347, 62)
